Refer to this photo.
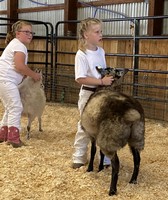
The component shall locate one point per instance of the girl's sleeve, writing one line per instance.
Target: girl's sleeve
(81, 66)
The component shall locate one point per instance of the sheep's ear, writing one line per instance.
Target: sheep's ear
(38, 70)
(100, 70)
(120, 72)
(109, 71)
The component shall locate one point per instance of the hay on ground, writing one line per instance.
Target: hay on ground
(42, 169)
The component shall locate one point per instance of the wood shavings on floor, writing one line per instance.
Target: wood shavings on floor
(41, 170)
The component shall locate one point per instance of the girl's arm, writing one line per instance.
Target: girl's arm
(19, 60)
(107, 80)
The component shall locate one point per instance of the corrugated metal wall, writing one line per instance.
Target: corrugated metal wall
(117, 11)
(33, 4)
(46, 16)
(3, 6)
(165, 22)
(103, 12)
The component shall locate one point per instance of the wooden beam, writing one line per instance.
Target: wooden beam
(12, 6)
(70, 13)
(3, 12)
(156, 8)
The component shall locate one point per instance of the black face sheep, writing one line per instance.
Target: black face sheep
(33, 99)
(117, 73)
(112, 120)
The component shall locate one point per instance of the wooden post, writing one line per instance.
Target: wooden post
(12, 6)
(156, 8)
(70, 13)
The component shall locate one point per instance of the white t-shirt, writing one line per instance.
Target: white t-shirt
(7, 66)
(86, 62)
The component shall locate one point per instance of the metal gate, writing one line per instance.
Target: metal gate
(148, 74)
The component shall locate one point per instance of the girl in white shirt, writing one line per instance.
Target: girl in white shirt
(87, 58)
(13, 67)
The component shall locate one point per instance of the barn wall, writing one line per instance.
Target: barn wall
(165, 22)
(152, 93)
(118, 10)
(46, 16)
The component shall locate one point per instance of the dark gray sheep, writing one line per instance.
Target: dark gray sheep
(112, 120)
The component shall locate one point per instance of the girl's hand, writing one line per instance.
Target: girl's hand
(107, 80)
(37, 76)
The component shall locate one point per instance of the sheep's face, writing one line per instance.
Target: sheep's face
(42, 77)
(29, 81)
(109, 71)
(117, 73)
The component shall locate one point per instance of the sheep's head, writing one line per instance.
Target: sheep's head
(117, 73)
(37, 70)
(109, 71)
(29, 81)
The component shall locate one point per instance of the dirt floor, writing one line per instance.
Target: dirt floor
(42, 169)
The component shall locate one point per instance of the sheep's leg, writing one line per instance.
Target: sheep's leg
(114, 175)
(92, 155)
(136, 157)
(28, 128)
(40, 126)
(30, 119)
(101, 166)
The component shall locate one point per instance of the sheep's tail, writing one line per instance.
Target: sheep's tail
(132, 115)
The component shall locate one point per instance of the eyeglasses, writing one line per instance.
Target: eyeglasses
(28, 33)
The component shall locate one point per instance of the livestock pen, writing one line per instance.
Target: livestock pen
(145, 56)
(42, 169)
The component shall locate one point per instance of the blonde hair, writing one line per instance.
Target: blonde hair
(83, 27)
(17, 26)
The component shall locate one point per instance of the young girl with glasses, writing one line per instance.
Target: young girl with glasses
(13, 67)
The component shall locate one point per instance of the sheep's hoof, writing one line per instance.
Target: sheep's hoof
(28, 136)
(112, 192)
(133, 181)
(89, 169)
(100, 168)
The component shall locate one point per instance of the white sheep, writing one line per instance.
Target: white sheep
(33, 99)
(112, 120)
